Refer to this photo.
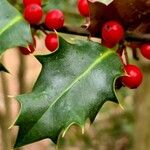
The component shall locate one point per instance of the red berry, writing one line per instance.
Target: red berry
(51, 42)
(30, 49)
(54, 19)
(27, 51)
(133, 78)
(112, 32)
(107, 44)
(28, 2)
(145, 50)
(33, 13)
(83, 8)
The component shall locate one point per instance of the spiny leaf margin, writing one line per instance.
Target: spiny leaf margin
(30, 133)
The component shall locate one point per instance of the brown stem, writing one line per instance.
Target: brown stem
(65, 29)
(134, 53)
(129, 36)
(43, 30)
(126, 56)
(121, 48)
(137, 37)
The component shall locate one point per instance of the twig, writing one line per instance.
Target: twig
(137, 37)
(65, 29)
(134, 53)
(121, 48)
(129, 36)
(126, 56)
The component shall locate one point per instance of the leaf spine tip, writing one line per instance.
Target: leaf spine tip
(121, 107)
(83, 130)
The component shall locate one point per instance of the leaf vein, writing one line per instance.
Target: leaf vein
(97, 61)
(15, 20)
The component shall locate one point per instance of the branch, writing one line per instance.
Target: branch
(129, 36)
(65, 29)
(137, 37)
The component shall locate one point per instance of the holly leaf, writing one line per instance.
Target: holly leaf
(74, 83)
(14, 31)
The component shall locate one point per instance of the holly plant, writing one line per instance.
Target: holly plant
(87, 58)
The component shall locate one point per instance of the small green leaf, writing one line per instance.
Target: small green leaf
(14, 31)
(73, 85)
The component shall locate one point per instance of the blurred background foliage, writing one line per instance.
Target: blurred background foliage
(117, 127)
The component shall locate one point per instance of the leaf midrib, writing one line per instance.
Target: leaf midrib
(15, 20)
(97, 61)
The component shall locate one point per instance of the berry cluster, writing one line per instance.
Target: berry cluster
(112, 34)
(54, 20)
(33, 11)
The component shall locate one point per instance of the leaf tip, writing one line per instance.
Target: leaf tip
(83, 130)
(121, 107)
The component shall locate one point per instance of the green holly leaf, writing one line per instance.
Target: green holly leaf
(14, 31)
(73, 85)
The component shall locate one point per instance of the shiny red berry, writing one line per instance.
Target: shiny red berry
(54, 19)
(30, 49)
(108, 44)
(133, 77)
(112, 32)
(52, 42)
(33, 13)
(145, 50)
(83, 8)
(28, 2)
